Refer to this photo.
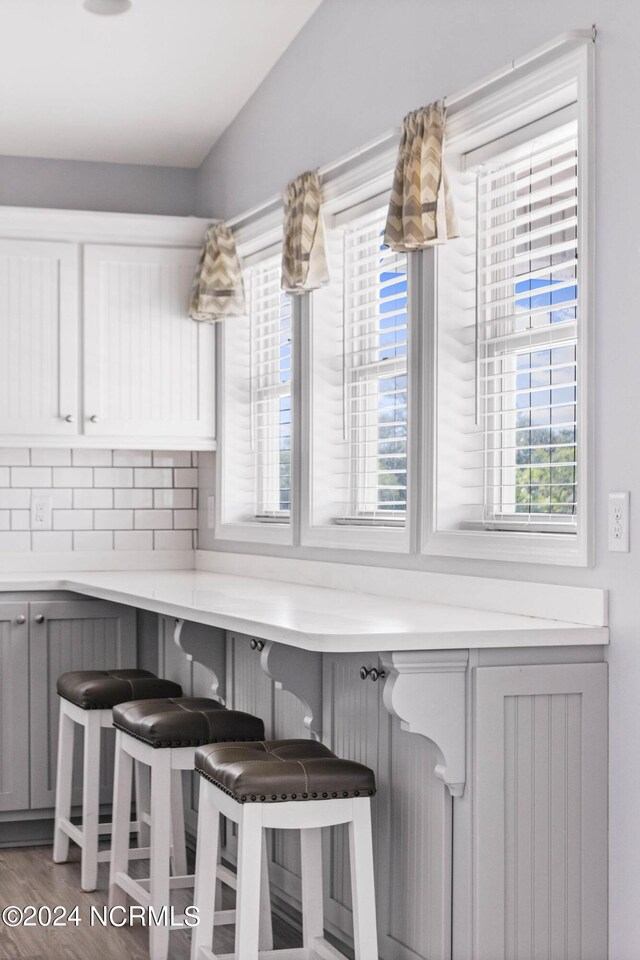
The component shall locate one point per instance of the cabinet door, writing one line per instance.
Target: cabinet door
(149, 369)
(351, 728)
(540, 782)
(38, 338)
(73, 635)
(14, 707)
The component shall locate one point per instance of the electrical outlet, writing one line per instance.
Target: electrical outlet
(619, 522)
(211, 512)
(40, 513)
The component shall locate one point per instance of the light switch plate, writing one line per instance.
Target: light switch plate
(618, 521)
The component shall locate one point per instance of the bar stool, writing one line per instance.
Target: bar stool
(87, 698)
(164, 735)
(287, 785)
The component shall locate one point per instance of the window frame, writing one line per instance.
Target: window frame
(258, 246)
(529, 98)
(347, 201)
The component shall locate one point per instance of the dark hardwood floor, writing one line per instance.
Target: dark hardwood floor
(29, 876)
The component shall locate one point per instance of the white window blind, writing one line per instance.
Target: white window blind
(375, 375)
(270, 344)
(527, 333)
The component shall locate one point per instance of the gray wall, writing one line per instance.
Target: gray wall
(80, 185)
(352, 73)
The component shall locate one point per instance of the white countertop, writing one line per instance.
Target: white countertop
(311, 617)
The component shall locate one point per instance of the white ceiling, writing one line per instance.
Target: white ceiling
(157, 85)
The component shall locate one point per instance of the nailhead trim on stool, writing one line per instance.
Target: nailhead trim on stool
(86, 700)
(276, 773)
(279, 770)
(185, 722)
(103, 689)
(179, 725)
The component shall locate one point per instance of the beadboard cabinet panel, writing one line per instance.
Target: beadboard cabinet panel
(196, 680)
(414, 848)
(38, 338)
(541, 842)
(411, 817)
(250, 689)
(73, 635)
(148, 368)
(14, 706)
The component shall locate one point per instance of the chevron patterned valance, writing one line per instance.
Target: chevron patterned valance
(304, 259)
(421, 209)
(218, 290)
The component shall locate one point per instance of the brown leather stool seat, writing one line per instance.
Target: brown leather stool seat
(185, 722)
(103, 689)
(280, 770)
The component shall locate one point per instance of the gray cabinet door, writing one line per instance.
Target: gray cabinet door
(411, 816)
(14, 706)
(541, 812)
(74, 635)
(351, 728)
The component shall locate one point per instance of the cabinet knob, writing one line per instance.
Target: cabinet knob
(21, 619)
(94, 419)
(371, 673)
(257, 644)
(39, 618)
(69, 418)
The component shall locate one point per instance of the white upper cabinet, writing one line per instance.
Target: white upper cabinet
(96, 344)
(38, 338)
(148, 368)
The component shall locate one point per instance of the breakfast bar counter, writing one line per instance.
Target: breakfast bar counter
(487, 727)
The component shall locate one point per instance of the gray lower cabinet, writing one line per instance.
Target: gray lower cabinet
(70, 635)
(539, 793)
(14, 706)
(194, 677)
(516, 866)
(411, 819)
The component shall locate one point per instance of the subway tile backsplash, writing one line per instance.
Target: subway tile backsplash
(101, 500)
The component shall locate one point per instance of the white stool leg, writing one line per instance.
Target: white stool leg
(178, 841)
(365, 939)
(249, 874)
(64, 776)
(312, 896)
(121, 817)
(204, 898)
(143, 802)
(266, 924)
(90, 801)
(160, 849)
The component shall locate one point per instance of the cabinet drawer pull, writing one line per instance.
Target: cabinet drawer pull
(94, 419)
(372, 672)
(39, 618)
(69, 418)
(257, 644)
(21, 618)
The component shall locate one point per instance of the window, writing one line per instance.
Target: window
(528, 335)
(360, 385)
(375, 371)
(507, 467)
(270, 319)
(256, 423)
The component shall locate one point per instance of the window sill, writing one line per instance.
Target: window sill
(558, 549)
(366, 535)
(256, 531)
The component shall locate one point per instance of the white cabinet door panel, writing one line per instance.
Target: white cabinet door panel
(38, 338)
(149, 368)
